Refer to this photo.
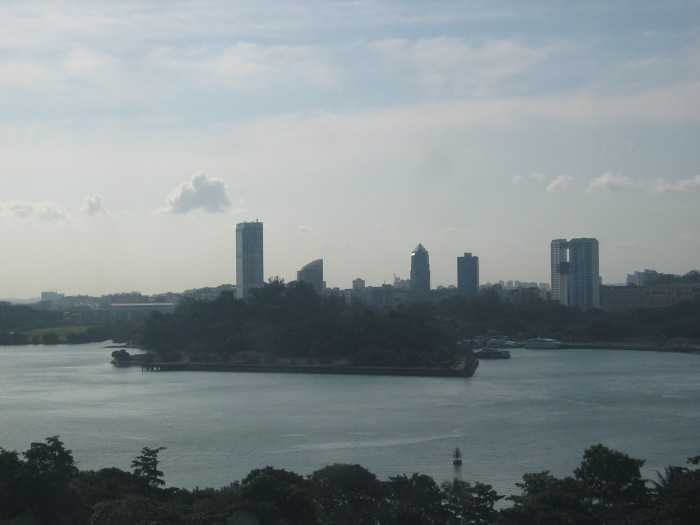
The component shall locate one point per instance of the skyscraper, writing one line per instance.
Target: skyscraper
(468, 275)
(312, 273)
(576, 272)
(249, 257)
(420, 274)
(559, 266)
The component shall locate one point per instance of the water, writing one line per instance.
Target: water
(536, 411)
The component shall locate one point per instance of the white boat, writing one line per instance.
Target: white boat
(492, 353)
(543, 343)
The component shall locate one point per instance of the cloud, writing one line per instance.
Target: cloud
(516, 179)
(44, 210)
(93, 205)
(536, 176)
(661, 185)
(558, 184)
(200, 192)
(303, 229)
(612, 181)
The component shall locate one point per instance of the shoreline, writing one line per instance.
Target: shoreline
(462, 370)
(678, 349)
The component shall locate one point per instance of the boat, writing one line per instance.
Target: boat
(492, 353)
(543, 343)
(503, 343)
(457, 457)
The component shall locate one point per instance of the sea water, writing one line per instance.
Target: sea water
(536, 411)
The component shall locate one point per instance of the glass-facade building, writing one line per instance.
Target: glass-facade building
(249, 257)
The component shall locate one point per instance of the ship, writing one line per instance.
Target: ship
(543, 343)
(492, 353)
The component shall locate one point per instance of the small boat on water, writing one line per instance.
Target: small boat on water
(457, 457)
(492, 353)
(540, 343)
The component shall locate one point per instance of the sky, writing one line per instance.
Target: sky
(135, 135)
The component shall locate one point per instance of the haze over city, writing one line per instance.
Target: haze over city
(135, 135)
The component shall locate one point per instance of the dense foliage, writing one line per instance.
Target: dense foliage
(43, 486)
(291, 321)
(22, 324)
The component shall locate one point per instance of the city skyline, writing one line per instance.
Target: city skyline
(136, 135)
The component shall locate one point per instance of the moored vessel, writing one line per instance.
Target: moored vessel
(543, 343)
(492, 353)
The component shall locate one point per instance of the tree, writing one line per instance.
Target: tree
(546, 500)
(275, 497)
(11, 497)
(146, 467)
(471, 504)
(612, 483)
(675, 496)
(347, 495)
(416, 500)
(45, 479)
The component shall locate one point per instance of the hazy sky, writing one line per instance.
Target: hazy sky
(135, 135)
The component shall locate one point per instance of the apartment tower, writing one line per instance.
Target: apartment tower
(249, 257)
(576, 272)
(420, 274)
(468, 275)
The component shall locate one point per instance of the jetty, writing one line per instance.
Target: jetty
(465, 368)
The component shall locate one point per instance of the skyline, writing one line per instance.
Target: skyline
(136, 136)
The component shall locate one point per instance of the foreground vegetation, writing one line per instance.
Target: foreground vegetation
(43, 486)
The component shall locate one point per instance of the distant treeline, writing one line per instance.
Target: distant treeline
(42, 486)
(23, 324)
(292, 321)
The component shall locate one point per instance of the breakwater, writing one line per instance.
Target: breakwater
(465, 368)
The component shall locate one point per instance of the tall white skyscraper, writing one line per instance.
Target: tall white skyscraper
(576, 272)
(249, 257)
(420, 274)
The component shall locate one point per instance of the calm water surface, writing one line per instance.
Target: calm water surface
(536, 411)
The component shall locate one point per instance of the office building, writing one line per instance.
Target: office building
(420, 274)
(575, 272)
(468, 275)
(312, 273)
(249, 257)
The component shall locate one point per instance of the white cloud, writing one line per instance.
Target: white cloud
(662, 185)
(537, 176)
(612, 181)
(93, 205)
(200, 192)
(558, 184)
(44, 210)
(516, 179)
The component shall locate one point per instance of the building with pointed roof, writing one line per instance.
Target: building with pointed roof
(420, 274)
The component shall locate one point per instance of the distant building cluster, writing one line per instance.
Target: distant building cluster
(574, 268)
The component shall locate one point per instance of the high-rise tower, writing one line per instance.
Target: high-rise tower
(249, 257)
(468, 275)
(312, 273)
(420, 274)
(576, 272)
